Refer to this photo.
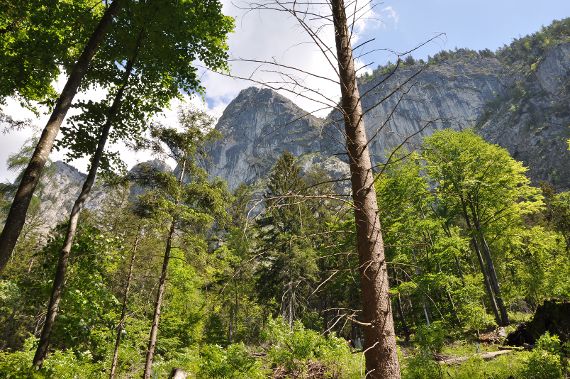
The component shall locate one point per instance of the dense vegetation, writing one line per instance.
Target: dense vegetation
(279, 293)
(174, 271)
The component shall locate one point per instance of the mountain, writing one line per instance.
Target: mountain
(517, 97)
(257, 127)
(59, 189)
(62, 183)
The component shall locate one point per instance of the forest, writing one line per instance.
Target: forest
(443, 261)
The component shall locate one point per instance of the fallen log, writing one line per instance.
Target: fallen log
(485, 356)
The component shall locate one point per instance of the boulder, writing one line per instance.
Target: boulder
(552, 317)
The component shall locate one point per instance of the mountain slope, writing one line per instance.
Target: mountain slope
(257, 127)
(517, 98)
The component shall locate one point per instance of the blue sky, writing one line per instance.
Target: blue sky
(473, 24)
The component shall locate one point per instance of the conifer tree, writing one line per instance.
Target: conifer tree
(288, 269)
(184, 200)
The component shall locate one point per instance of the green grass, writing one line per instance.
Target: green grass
(464, 348)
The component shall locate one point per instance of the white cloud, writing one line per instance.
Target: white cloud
(271, 35)
(390, 14)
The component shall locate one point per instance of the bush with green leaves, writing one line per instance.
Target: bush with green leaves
(67, 364)
(421, 366)
(542, 364)
(431, 338)
(503, 367)
(550, 343)
(545, 361)
(296, 349)
(233, 362)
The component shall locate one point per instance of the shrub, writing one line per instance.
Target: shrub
(421, 366)
(60, 364)
(549, 343)
(233, 362)
(430, 338)
(542, 364)
(503, 367)
(15, 365)
(295, 350)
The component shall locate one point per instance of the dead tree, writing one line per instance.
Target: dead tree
(315, 18)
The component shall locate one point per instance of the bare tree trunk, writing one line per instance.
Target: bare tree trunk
(61, 269)
(492, 273)
(121, 324)
(379, 336)
(158, 304)
(494, 281)
(30, 178)
(160, 292)
(477, 249)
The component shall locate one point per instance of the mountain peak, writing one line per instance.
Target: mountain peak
(257, 127)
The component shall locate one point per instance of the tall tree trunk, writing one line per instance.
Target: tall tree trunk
(494, 281)
(61, 269)
(158, 304)
(405, 327)
(425, 305)
(399, 308)
(425, 308)
(160, 292)
(30, 178)
(379, 336)
(233, 314)
(121, 324)
(488, 288)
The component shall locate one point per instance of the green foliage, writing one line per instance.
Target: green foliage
(431, 338)
(162, 67)
(288, 270)
(421, 366)
(467, 170)
(233, 362)
(549, 343)
(536, 264)
(559, 214)
(188, 197)
(526, 50)
(295, 349)
(36, 38)
(542, 364)
(182, 319)
(502, 367)
(66, 364)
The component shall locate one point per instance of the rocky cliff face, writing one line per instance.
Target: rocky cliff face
(257, 127)
(521, 107)
(518, 98)
(59, 190)
(452, 94)
(532, 119)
